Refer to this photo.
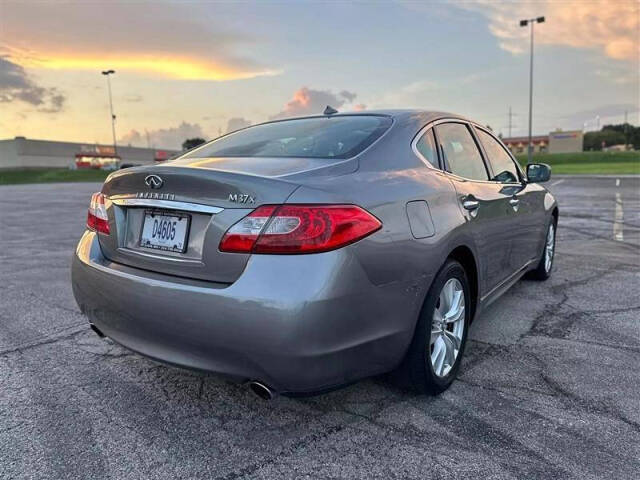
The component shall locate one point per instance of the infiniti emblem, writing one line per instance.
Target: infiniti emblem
(153, 181)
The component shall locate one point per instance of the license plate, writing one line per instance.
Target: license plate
(162, 231)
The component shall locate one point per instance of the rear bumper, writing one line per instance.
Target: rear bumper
(297, 323)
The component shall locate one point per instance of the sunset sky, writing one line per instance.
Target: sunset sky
(187, 69)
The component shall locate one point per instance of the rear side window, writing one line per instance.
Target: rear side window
(323, 137)
(427, 148)
(503, 166)
(460, 151)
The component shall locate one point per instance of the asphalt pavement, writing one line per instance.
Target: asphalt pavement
(549, 388)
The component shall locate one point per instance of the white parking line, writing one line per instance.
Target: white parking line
(557, 183)
(617, 220)
(617, 182)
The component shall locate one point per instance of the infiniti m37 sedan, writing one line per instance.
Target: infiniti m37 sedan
(304, 254)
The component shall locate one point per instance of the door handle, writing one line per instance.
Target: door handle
(471, 205)
(514, 202)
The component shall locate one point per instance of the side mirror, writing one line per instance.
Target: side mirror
(538, 172)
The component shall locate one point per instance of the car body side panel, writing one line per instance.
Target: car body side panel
(542, 211)
(393, 254)
(534, 216)
(490, 227)
(528, 226)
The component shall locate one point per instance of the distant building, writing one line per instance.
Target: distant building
(556, 142)
(21, 152)
(565, 142)
(518, 145)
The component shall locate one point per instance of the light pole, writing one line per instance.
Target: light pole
(113, 117)
(524, 23)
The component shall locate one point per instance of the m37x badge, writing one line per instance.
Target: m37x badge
(241, 198)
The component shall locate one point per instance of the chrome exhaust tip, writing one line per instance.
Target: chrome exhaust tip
(261, 390)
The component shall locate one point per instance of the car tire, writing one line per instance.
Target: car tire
(419, 371)
(543, 270)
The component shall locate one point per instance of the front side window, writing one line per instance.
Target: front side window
(460, 151)
(319, 137)
(504, 169)
(427, 148)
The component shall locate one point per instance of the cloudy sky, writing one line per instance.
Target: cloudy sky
(201, 68)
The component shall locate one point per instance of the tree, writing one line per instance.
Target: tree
(613, 135)
(595, 140)
(631, 133)
(190, 143)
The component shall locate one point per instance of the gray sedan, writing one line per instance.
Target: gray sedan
(303, 254)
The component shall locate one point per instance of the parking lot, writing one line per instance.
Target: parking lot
(550, 385)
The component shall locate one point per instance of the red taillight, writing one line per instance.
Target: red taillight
(97, 218)
(299, 229)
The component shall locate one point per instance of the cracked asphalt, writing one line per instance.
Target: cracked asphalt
(549, 388)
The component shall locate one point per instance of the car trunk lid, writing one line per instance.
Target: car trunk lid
(213, 199)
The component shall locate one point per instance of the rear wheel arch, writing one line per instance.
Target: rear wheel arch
(463, 255)
(416, 371)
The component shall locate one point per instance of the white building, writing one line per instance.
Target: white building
(556, 142)
(568, 141)
(21, 152)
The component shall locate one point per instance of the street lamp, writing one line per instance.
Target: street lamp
(524, 23)
(113, 117)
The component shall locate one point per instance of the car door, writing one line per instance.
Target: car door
(523, 221)
(483, 203)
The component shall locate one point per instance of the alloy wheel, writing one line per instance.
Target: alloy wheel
(447, 327)
(549, 248)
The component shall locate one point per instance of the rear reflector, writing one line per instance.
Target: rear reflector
(97, 218)
(299, 229)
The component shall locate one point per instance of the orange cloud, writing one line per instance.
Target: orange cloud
(148, 38)
(307, 101)
(172, 67)
(610, 26)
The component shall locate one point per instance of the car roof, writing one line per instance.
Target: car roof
(401, 116)
(400, 112)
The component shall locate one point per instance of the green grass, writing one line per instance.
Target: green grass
(589, 163)
(49, 175)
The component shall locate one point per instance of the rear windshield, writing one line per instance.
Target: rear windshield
(325, 137)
